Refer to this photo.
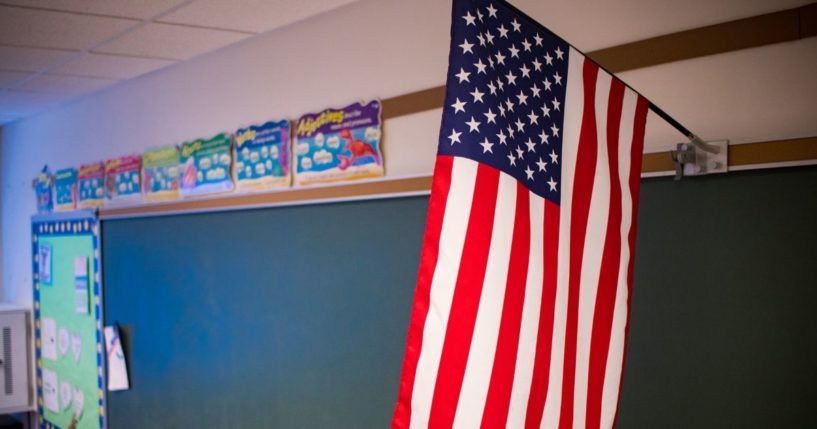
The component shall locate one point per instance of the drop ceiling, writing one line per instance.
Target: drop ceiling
(52, 51)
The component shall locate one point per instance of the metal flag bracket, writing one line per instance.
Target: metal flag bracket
(699, 157)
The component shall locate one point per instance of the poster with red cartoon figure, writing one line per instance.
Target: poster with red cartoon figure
(339, 144)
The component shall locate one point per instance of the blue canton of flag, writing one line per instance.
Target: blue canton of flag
(505, 97)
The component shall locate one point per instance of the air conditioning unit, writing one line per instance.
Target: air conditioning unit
(16, 393)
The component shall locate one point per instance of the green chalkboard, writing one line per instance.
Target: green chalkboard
(278, 318)
(296, 317)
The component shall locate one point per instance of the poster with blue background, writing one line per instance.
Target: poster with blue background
(339, 144)
(262, 156)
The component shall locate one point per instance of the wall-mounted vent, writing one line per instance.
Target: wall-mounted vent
(15, 342)
(7, 362)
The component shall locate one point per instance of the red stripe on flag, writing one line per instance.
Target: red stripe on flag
(544, 337)
(428, 263)
(610, 263)
(582, 191)
(465, 302)
(639, 126)
(499, 389)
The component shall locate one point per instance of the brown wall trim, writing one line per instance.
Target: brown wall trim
(792, 150)
(656, 162)
(768, 152)
(414, 102)
(729, 36)
(808, 21)
(804, 149)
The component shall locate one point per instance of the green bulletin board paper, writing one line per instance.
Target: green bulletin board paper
(70, 237)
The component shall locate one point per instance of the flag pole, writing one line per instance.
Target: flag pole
(693, 138)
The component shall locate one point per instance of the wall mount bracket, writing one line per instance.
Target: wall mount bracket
(697, 157)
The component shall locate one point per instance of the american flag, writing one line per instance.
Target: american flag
(521, 308)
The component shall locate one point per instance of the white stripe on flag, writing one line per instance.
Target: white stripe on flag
(480, 362)
(573, 106)
(529, 328)
(593, 250)
(452, 237)
(612, 377)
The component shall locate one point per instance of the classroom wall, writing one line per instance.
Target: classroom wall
(371, 48)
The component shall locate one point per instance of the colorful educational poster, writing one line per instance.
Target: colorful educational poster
(65, 183)
(160, 173)
(91, 185)
(69, 353)
(122, 178)
(339, 144)
(44, 190)
(262, 156)
(205, 166)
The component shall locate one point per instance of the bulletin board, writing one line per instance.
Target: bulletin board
(68, 320)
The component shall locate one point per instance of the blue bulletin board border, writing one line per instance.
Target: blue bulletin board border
(82, 222)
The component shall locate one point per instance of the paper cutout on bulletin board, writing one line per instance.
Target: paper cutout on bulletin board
(66, 189)
(66, 395)
(79, 402)
(76, 346)
(44, 263)
(81, 284)
(50, 392)
(205, 166)
(262, 156)
(117, 367)
(122, 178)
(339, 144)
(49, 338)
(63, 341)
(160, 172)
(91, 186)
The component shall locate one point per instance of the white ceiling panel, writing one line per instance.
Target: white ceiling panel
(594, 24)
(70, 85)
(755, 94)
(140, 9)
(249, 15)
(110, 66)
(37, 28)
(9, 78)
(31, 59)
(170, 41)
(21, 103)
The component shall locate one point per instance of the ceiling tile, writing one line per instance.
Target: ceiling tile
(110, 66)
(21, 103)
(31, 59)
(43, 29)
(119, 8)
(249, 15)
(8, 78)
(71, 85)
(170, 41)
